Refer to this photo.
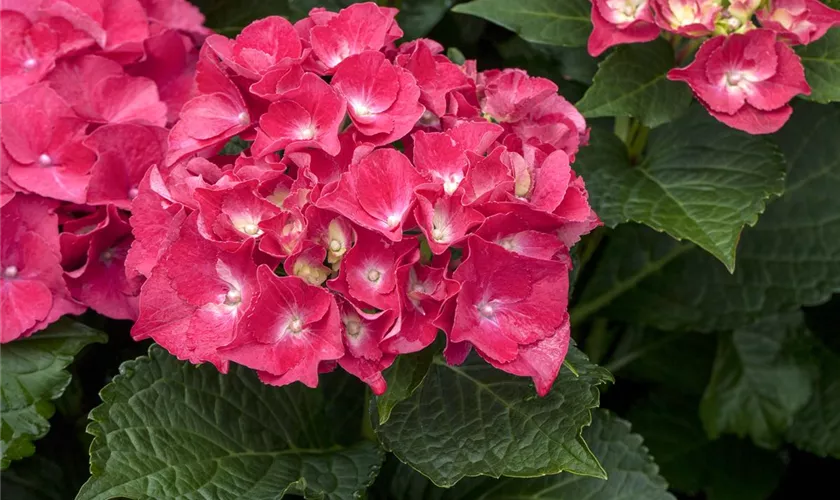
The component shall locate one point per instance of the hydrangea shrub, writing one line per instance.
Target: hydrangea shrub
(363, 265)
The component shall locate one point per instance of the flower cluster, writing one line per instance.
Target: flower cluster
(745, 72)
(88, 88)
(412, 195)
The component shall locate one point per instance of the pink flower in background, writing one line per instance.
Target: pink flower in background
(691, 18)
(33, 293)
(87, 89)
(798, 21)
(620, 21)
(746, 81)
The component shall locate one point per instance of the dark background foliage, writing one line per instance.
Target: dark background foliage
(685, 372)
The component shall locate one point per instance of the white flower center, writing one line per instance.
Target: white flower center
(132, 193)
(307, 133)
(243, 118)
(44, 160)
(335, 246)
(30, 64)
(295, 325)
(438, 234)
(734, 78)
(10, 272)
(451, 184)
(353, 327)
(251, 230)
(233, 297)
(393, 221)
(361, 109)
(373, 275)
(486, 310)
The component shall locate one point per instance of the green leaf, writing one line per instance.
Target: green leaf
(474, 419)
(228, 17)
(725, 469)
(631, 82)
(700, 180)
(821, 60)
(761, 377)
(32, 374)
(168, 429)
(403, 377)
(553, 22)
(631, 470)
(790, 258)
(550, 61)
(418, 17)
(816, 428)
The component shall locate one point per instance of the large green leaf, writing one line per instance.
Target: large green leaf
(762, 376)
(32, 374)
(167, 429)
(631, 82)
(553, 22)
(725, 469)
(473, 419)
(821, 60)
(631, 470)
(790, 258)
(816, 428)
(403, 377)
(700, 180)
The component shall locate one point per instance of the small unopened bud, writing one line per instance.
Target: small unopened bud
(243, 118)
(30, 64)
(393, 221)
(486, 310)
(44, 160)
(250, 229)
(373, 275)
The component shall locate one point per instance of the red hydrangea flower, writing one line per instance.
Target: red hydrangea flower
(294, 263)
(373, 200)
(196, 296)
(124, 153)
(43, 137)
(261, 46)
(99, 91)
(308, 116)
(746, 80)
(93, 252)
(288, 330)
(363, 356)
(29, 52)
(356, 29)
(33, 293)
(383, 99)
(798, 21)
(512, 309)
(620, 21)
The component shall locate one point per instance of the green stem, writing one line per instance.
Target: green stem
(582, 312)
(637, 144)
(622, 127)
(598, 341)
(591, 244)
(367, 425)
